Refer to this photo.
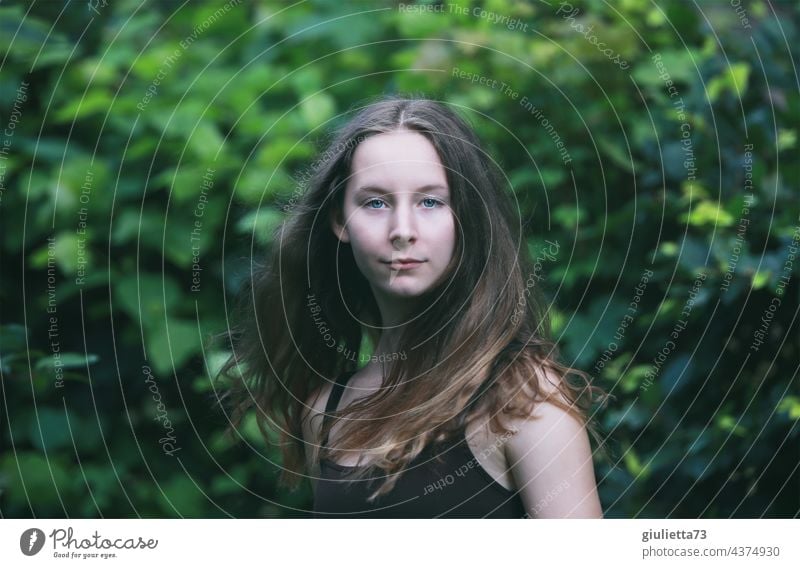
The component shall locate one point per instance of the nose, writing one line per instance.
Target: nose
(403, 230)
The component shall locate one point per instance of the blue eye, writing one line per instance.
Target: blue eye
(371, 201)
(435, 202)
(429, 203)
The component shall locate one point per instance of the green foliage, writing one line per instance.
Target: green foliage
(119, 260)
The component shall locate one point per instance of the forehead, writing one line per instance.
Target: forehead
(396, 154)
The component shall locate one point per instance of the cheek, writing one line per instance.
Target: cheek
(445, 235)
(364, 236)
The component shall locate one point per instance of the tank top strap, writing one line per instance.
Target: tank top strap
(335, 397)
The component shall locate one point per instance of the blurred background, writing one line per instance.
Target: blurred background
(148, 148)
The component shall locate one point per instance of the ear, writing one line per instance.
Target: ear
(337, 226)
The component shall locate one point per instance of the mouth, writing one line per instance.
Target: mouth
(404, 264)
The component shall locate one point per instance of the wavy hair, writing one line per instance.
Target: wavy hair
(480, 350)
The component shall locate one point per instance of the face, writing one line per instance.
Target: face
(397, 215)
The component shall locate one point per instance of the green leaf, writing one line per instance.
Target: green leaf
(260, 224)
(727, 423)
(787, 138)
(590, 332)
(568, 216)
(148, 296)
(95, 101)
(734, 80)
(69, 248)
(173, 348)
(761, 279)
(634, 465)
(68, 361)
(31, 41)
(791, 406)
(708, 213)
(317, 110)
(618, 154)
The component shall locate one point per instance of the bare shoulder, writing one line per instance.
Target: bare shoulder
(547, 418)
(550, 457)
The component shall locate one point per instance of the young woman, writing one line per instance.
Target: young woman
(406, 240)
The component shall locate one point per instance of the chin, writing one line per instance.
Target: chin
(404, 290)
(404, 293)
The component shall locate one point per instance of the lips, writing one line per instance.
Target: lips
(404, 263)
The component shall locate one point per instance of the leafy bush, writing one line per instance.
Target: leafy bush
(146, 152)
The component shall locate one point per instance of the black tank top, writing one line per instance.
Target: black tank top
(456, 486)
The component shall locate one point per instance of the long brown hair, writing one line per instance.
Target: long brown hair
(479, 350)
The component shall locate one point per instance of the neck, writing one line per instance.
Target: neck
(388, 342)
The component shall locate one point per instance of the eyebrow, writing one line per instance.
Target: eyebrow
(380, 190)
